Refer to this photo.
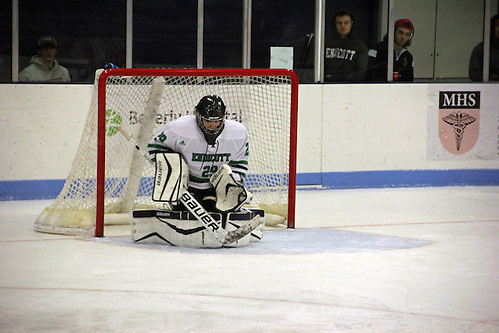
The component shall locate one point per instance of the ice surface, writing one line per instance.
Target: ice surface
(299, 241)
(377, 260)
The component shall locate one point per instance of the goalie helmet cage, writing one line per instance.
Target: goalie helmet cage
(109, 178)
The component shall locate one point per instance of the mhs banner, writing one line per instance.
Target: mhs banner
(463, 123)
(459, 120)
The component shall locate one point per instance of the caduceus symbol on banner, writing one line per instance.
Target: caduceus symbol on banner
(459, 121)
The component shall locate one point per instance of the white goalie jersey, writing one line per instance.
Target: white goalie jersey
(184, 136)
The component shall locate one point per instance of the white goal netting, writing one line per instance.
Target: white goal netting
(141, 103)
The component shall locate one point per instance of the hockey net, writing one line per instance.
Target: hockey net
(109, 178)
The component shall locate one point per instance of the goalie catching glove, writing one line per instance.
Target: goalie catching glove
(231, 194)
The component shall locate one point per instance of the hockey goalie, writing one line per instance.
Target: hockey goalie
(201, 161)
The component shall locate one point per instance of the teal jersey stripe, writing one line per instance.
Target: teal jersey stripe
(238, 162)
(239, 167)
(153, 145)
(242, 174)
(198, 180)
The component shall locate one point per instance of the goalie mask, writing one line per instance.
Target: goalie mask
(210, 108)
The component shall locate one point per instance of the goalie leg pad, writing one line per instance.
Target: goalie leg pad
(257, 234)
(236, 219)
(172, 228)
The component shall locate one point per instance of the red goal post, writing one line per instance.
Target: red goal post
(109, 178)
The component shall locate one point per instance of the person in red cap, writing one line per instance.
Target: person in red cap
(44, 67)
(403, 62)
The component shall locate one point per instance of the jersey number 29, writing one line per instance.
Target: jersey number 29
(209, 170)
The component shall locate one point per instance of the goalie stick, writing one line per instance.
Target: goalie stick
(199, 212)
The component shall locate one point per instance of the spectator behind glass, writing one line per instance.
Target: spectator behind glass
(44, 67)
(346, 55)
(403, 62)
(476, 59)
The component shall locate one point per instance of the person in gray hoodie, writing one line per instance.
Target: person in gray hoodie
(44, 67)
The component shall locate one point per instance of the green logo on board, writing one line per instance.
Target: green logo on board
(113, 121)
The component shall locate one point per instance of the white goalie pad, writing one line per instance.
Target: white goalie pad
(172, 228)
(183, 229)
(171, 179)
(231, 194)
(257, 233)
(236, 219)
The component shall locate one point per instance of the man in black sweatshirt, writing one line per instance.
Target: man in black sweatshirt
(403, 62)
(346, 56)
